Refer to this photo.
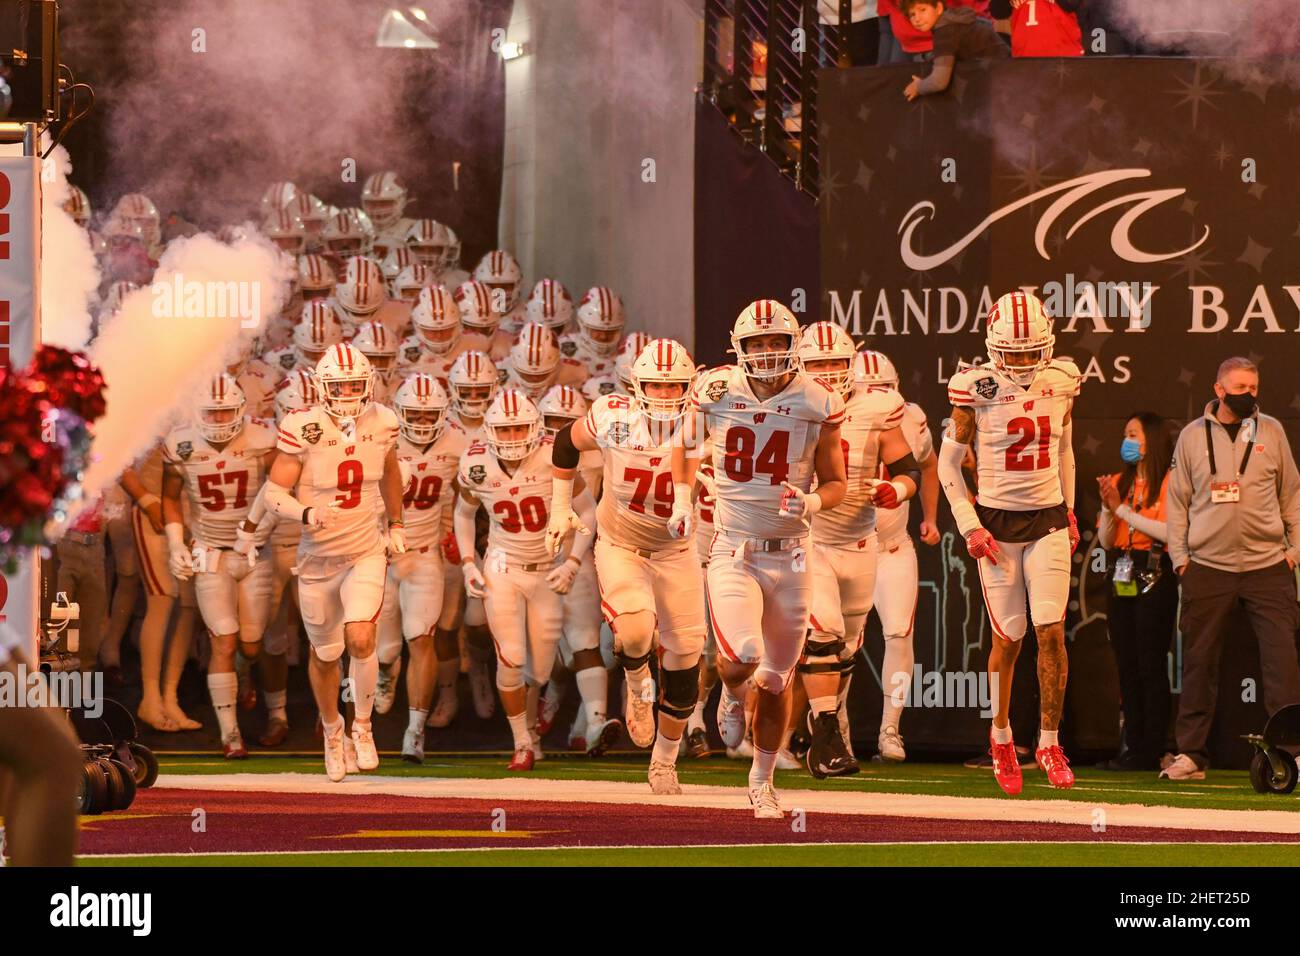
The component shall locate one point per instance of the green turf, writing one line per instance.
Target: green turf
(1222, 789)
(939, 854)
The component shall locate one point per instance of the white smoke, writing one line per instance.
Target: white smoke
(156, 353)
(69, 273)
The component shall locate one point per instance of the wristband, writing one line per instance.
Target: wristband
(812, 503)
(681, 494)
(900, 489)
(175, 535)
(147, 501)
(396, 523)
(561, 495)
(575, 560)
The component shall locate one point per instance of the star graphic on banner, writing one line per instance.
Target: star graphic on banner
(844, 245)
(1057, 241)
(917, 376)
(891, 154)
(956, 260)
(1196, 92)
(1258, 84)
(1090, 445)
(864, 280)
(1062, 70)
(1254, 255)
(1030, 177)
(1094, 274)
(864, 111)
(1257, 190)
(863, 179)
(1096, 103)
(1186, 377)
(1222, 154)
(1195, 262)
(824, 129)
(1028, 120)
(829, 189)
(1254, 357)
(1142, 146)
(1189, 206)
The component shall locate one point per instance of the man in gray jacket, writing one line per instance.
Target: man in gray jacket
(1234, 535)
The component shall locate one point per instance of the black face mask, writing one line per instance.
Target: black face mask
(1241, 405)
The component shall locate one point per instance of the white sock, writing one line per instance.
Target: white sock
(364, 673)
(696, 720)
(636, 679)
(519, 730)
(332, 729)
(416, 721)
(823, 705)
(665, 749)
(275, 700)
(761, 770)
(223, 689)
(1047, 738)
(593, 686)
(1002, 735)
(899, 659)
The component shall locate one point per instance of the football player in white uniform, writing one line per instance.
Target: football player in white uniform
(384, 199)
(550, 304)
(359, 294)
(1022, 529)
(435, 341)
(342, 456)
(535, 365)
(317, 330)
(844, 537)
(480, 322)
(510, 476)
(649, 577)
(697, 742)
(287, 232)
(897, 579)
(410, 281)
(343, 237)
(316, 277)
(774, 428)
(429, 451)
(501, 274)
(379, 346)
(220, 461)
(600, 319)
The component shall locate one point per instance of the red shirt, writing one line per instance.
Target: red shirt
(1041, 28)
(90, 520)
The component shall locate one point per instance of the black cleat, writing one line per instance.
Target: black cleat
(697, 745)
(827, 756)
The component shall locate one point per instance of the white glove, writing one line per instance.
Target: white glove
(563, 521)
(475, 586)
(707, 482)
(244, 544)
(396, 539)
(682, 521)
(322, 519)
(797, 504)
(561, 579)
(181, 562)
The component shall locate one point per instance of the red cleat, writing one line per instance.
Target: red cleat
(248, 697)
(1006, 767)
(522, 760)
(1053, 762)
(233, 747)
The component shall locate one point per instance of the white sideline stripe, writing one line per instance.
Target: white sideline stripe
(672, 846)
(733, 798)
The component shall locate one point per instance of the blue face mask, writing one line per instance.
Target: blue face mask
(1131, 451)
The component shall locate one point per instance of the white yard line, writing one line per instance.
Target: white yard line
(1023, 810)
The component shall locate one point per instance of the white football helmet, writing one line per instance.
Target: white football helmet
(221, 410)
(316, 277)
(384, 198)
(765, 317)
(398, 260)
(295, 393)
(509, 409)
(874, 368)
(633, 343)
(286, 231)
(550, 304)
(276, 197)
(561, 405)
(499, 272)
(135, 216)
(318, 328)
(364, 224)
(828, 342)
(436, 319)
(376, 343)
(427, 239)
(623, 370)
(344, 381)
(535, 359)
(421, 404)
(411, 280)
(662, 361)
(473, 381)
(311, 212)
(343, 236)
(1019, 325)
(77, 205)
(362, 290)
(601, 320)
(474, 299)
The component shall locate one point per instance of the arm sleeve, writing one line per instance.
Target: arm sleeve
(463, 525)
(1178, 499)
(1067, 464)
(584, 505)
(279, 500)
(1151, 527)
(951, 454)
(939, 77)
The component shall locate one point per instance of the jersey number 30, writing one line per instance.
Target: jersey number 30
(1017, 459)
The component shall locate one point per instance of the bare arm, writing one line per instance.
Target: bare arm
(463, 525)
(390, 487)
(1067, 459)
(172, 487)
(829, 465)
(930, 490)
(956, 444)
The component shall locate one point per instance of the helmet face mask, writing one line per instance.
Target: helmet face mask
(513, 426)
(835, 374)
(344, 381)
(765, 340)
(1019, 337)
(827, 353)
(499, 272)
(761, 360)
(473, 383)
(660, 380)
(220, 415)
(421, 404)
(384, 198)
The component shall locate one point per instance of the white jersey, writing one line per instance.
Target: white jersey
(282, 361)
(758, 444)
(594, 388)
(1017, 432)
(221, 483)
(574, 346)
(465, 436)
(389, 237)
(518, 504)
(258, 381)
(637, 478)
(869, 411)
(344, 469)
(429, 475)
(891, 523)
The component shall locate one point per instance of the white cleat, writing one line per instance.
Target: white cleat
(731, 719)
(537, 749)
(363, 739)
(336, 767)
(413, 745)
(786, 760)
(350, 755)
(386, 689)
(640, 712)
(765, 803)
(602, 735)
(663, 779)
(444, 712)
(891, 745)
(742, 751)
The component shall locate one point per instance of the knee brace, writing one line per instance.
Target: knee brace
(629, 663)
(678, 691)
(821, 654)
(509, 678)
(771, 681)
(478, 641)
(332, 650)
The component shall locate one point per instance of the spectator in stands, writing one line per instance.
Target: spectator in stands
(1142, 591)
(1045, 28)
(960, 33)
(863, 33)
(1234, 536)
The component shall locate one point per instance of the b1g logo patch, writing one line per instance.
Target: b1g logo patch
(618, 432)
(412, 353)
(986, 388)
(287, 361)
(569, 349)
(607, 388)
(311, 433)
(716, 390)
(477, 474)
(184, 450)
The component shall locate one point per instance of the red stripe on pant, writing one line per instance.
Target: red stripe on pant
(723, 646)
(137, 526)
(983, 590)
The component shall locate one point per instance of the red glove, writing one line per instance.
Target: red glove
(1074, 532)
(980, 544)
(450, 550)
(885, 495)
